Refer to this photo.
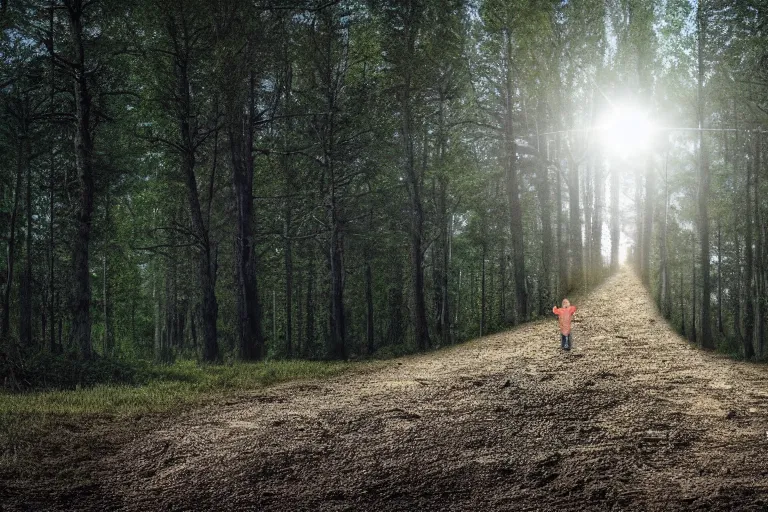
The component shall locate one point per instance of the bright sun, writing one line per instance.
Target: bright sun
(626, 130)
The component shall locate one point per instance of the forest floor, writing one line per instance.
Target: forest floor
(633, 418)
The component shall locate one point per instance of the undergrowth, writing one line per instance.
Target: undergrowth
(143, 388)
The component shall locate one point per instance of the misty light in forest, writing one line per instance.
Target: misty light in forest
(625, 130)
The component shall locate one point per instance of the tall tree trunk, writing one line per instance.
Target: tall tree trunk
(739, 271)
(482, 285)
(300, 300)
(665, 299)
(25, 290)
(638, 252)
(414, 181)
(249, 315)
(759, 259)
(705, 339)
(395, 328)
(206, 250)
(562, 244)
(458, 300)
(369, 333)
(5, 325)
(719, 281)
(81, 303)
(369, 320)
(309, 337)
(682, 301)
(156, 313)
(503, 284)
(513, 189)
(587, 202)
(51, 183)
(575, 240)
(692, 333)
(53, 347)
(288, 262)
(650, 199)
(109, 335)
(543, 192)
(748, 328)
(615, 220)
(445, 318)
(597, 222)
(441, 261)
(338, 349)
(736, 294)
(207, 266)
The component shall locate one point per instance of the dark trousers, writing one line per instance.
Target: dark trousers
(565, 341)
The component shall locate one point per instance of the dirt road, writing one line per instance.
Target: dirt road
(632, 419)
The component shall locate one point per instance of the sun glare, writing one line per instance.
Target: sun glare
(626, 130)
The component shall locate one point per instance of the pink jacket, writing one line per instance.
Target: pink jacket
(564, 317)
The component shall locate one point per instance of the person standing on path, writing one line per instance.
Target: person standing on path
(564, 315)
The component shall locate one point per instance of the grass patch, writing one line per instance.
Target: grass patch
(25, 417)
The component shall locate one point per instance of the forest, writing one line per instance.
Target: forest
(346, 179)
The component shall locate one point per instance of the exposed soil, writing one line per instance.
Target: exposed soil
(633, 418)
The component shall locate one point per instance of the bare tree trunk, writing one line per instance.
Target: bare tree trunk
(338, 349)
(53, 347)
(482, 287)
(637, 260)
(562, 244)
(503, 284)
(300, 301)
(206, 251)
(682, 301)
(575, 240)
(749, 267)
(650, 199)
(587, 202)
(513, 190)
(414, 181)
(309, 337)
(395, 330)
(719, 280)
(445, 318)
(109, 335)
(737, 292)
(441, 252)
(288, 262)
(665, 299)
(81, 303)
(543, 192)
(369, 337)
(369, 320)
(240, 131)
(692, 333)
(25, 290)
(615, 220)
(733, 168)
(705, 339)
(759, 259)
(51, 183)
(5, 325)
(156, 307)
(597, 221)
(458, 299)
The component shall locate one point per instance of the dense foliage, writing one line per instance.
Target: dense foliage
(312, 179)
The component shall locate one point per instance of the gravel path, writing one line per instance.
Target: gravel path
(632, 419)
